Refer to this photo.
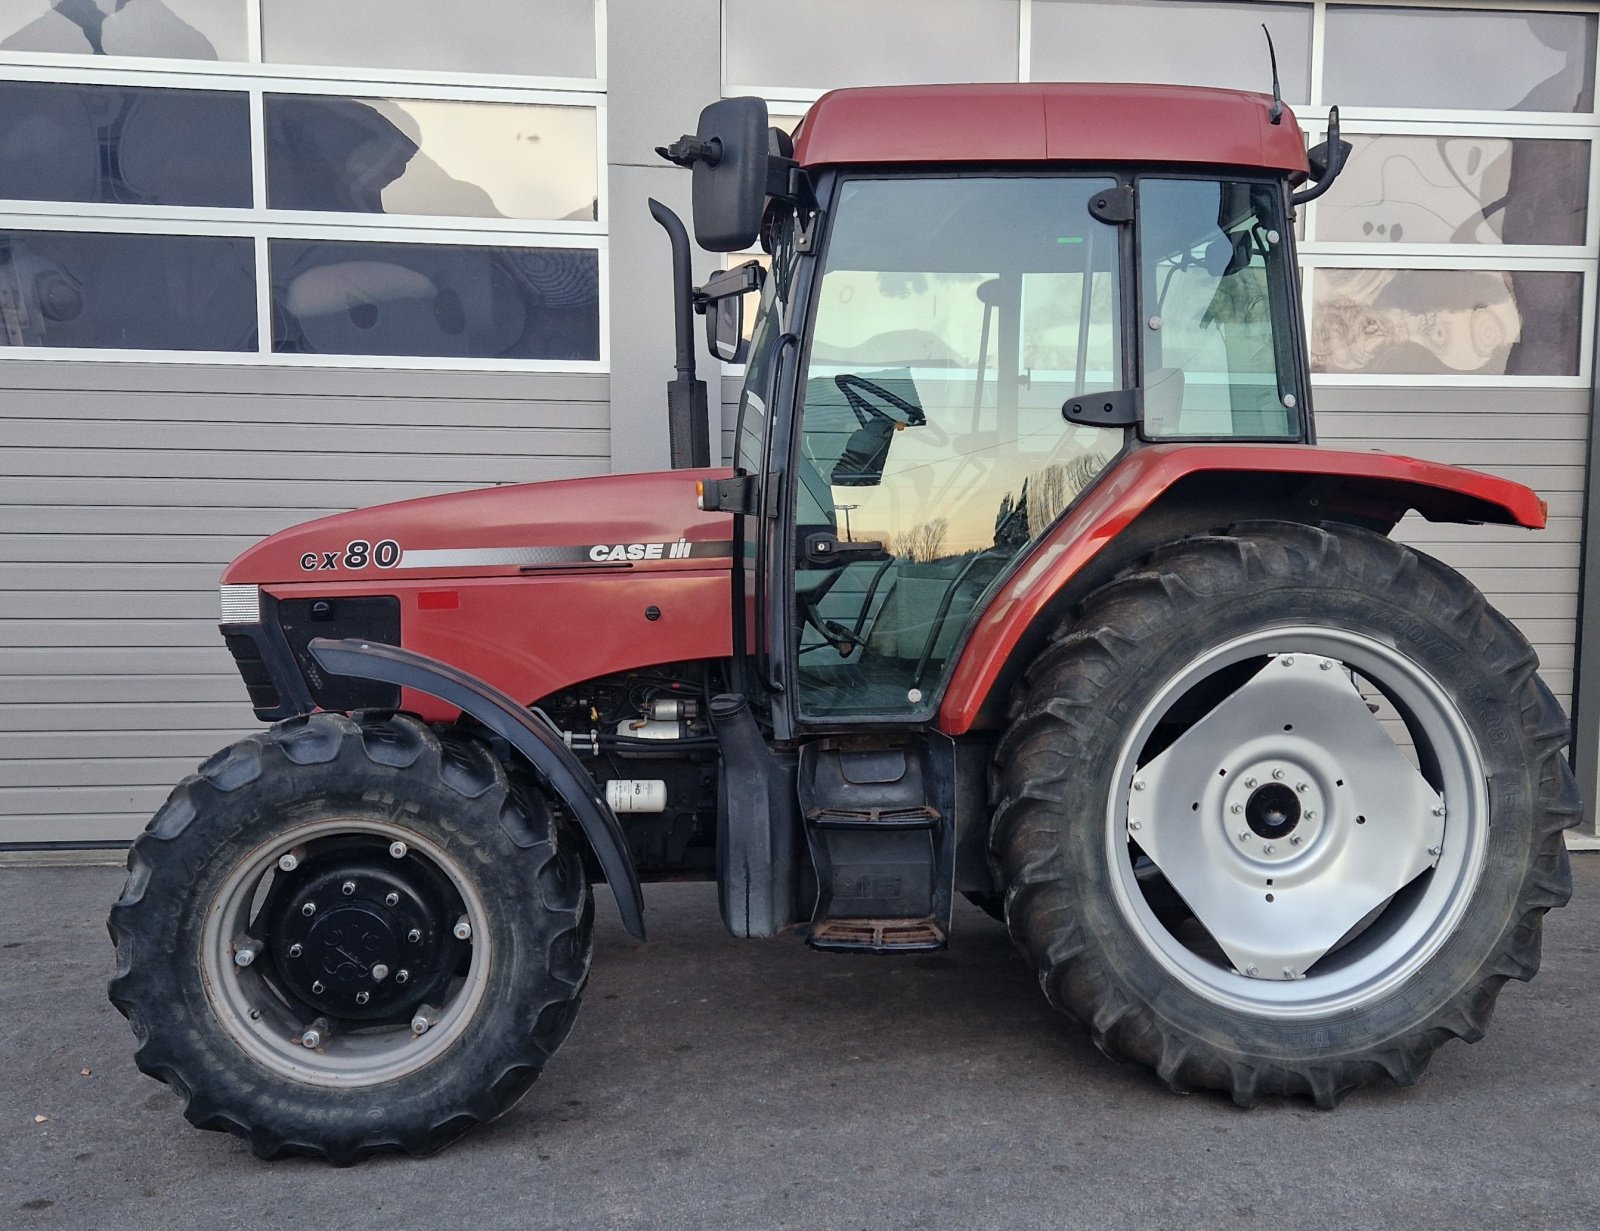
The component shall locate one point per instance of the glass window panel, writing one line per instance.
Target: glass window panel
(1446, 321)
(1485, 61)
(549, 38)
(127, 145)
(830, 43)
(1459, 190)
(1173, 41)
(416, 156)
(171, 29)
(335, 297)
(138, 292)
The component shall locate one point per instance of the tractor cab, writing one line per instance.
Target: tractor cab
(978, 300)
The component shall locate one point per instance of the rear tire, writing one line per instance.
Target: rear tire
(447, 893)
(1157, 655)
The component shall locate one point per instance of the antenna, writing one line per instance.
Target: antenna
(1276, 114)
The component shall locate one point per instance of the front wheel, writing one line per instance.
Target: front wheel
(1280, 812)
(344, 936)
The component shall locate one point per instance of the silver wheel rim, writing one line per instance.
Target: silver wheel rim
(256, 1016)
(1389, 887)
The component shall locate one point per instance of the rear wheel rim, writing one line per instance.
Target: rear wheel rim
(1394, 936)
(269, 1024)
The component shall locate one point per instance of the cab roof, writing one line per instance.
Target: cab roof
(1049, 122)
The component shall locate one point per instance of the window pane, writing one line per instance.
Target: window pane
(549, 38)
(1443, 321)
(123, 144)
(830, 43)
(335, 297)
(1173, 41)
(172, 29)
(1381, 57)
(1216, 310)
(414, 156)
(144, 292)
(1459, 190)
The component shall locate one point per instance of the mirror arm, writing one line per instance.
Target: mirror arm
(1336, 158)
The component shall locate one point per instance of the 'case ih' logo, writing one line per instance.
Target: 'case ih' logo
(605, 553)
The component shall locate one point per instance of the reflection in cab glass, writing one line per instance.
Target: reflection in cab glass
(953, 319)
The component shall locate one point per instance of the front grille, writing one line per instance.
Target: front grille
(363, 618)
(256, 674)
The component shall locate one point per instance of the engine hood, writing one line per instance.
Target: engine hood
(612, 522)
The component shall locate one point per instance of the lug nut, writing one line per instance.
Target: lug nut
(347, 888)
(288, 863)
(1251, 971)
(1436, 850)
(1268, 849)
(1288, 972)
(296, 950)
(1287, 660)
(397, 850)
(391, 899)
(1310, 815)
(1295, 839)
(402, 976)
(363, 997)
(414, 935)
(317, 988)
(423, 1021)
(245, 953)
(1278, 775)
(1139, 785)
(1236, 809)
(309, 909)
(380, 972)
(1250, 782)
(1438, 810)
(311, 1038)
(462, 929)
(1134, 825)
(1302, 787)
(1326, 664)
(1244, 835)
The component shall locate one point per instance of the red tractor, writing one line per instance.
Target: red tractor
(1026, 585)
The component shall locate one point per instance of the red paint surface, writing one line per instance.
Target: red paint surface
(1049, 122)
(1378, 483)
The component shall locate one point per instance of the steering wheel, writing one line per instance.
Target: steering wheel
(853, 387)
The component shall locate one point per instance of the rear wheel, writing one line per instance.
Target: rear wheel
(345, 936)
(1281, 812)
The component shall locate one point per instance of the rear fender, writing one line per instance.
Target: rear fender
(1165, 492)
(550, 759)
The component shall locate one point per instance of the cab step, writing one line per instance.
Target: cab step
(877, 936)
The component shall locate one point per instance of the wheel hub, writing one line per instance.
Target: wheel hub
(1272, 811)
(361, 936)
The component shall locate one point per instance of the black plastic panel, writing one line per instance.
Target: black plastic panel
(368, 618)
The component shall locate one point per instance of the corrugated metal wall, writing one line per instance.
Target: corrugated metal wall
(124, 489)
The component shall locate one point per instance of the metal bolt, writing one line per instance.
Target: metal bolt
(1134, 825)
(423, 1020)
(1295, 839)
(316, 988)
(1236, 809)
(1251, 971)
(1250, 782)
(1288, 972)
(1302, 787)
(1438, 810)
(311, 1038)
(288, 863)
(1310, 815)
(462, 929)
(1244, 835)
(1278, 774)
(414, 935)
(1326, 664)
(309, 909)
(380, 972)
(347, 888)
(1268, 849)
(397, 850)
(244, 952)
(296, 950)
(402, 976)
(1139, 784)
(391, 899)
(1287, 660)
(363, 997)
(1436, 850)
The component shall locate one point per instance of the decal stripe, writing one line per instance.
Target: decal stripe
(524, 557)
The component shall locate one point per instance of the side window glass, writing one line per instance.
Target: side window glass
(1217, 358)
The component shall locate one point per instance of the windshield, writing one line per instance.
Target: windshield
(1213, 269)
(953, 318)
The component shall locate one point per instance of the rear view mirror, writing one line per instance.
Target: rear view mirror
(722, 301)
(730, 176)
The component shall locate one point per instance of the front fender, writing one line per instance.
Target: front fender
(1374, 489)
(551, 760)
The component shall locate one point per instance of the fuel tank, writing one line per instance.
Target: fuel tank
(532, 587)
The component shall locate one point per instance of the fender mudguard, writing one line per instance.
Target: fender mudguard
(551, 760)
(1375, 489)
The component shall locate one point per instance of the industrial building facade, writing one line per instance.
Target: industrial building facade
(266, 259)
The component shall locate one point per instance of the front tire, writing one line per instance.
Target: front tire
(350, 935)
(1281, 810)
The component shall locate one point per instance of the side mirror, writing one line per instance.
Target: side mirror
(1326, 159)
(728, 155)
(722, 301)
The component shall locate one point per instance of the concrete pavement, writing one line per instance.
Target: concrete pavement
(719, 1083)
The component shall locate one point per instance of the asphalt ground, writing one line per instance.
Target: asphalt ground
(717, 1083)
